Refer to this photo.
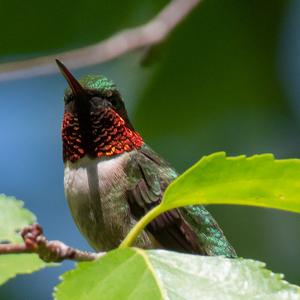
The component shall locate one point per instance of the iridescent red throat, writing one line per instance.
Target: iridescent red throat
(109, 135)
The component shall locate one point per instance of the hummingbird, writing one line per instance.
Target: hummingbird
(112, 177)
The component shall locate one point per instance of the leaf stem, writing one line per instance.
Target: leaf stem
(141, 224)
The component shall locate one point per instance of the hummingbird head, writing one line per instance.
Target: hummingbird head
(95, 119)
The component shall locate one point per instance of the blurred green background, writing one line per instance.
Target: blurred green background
(226, 79)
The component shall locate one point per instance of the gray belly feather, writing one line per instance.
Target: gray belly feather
(96, 193)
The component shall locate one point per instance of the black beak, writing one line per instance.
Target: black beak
(75, 86)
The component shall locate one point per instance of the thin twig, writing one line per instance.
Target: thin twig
(149, 34)
(14, 248)
(49, 251)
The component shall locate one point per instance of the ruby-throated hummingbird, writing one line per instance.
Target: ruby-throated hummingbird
(112, 177)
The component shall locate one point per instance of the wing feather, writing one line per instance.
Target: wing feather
(151, 176)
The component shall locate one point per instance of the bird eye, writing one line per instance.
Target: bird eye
(115, 102)
(68, 98)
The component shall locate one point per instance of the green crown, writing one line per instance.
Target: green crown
(97, 82)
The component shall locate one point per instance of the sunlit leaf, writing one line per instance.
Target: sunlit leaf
(118, 275)
(156, 274)
(14, 264)
(259, 180)
(13, 217)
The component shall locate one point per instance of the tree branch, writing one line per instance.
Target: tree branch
(49, 251)
(149, 34)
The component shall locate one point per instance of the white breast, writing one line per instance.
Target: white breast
(95, 190)
(82, 175)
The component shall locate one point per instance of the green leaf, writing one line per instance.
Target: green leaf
(259, 180)
(14, 264)
(156, 274)
(13, 217)
(117, 275)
